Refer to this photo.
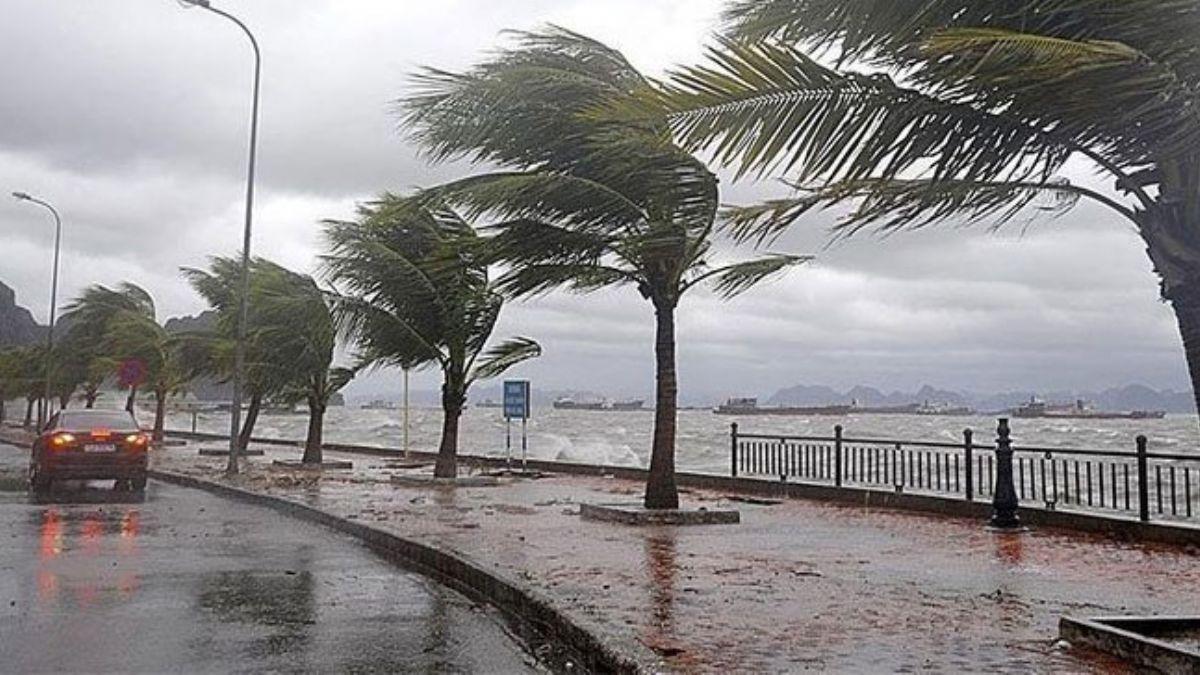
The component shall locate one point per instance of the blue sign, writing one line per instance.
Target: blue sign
(516, 399)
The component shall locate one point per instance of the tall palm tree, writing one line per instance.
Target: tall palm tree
(583, 202)
(125, 319)
(417, 294)
(967, 111)
(268, 370)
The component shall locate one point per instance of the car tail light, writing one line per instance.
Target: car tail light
(137, 441)
(101, 434)
(61, 440)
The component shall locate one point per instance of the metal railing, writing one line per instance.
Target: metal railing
(1150, 485)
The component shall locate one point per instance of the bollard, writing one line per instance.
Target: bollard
(837, 455)
(1143, 482)
(1004, 499)
(733, 449)
(968, 453)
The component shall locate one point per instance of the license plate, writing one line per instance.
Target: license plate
(99, 447)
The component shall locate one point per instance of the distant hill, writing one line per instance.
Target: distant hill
(17, 325)
(1127, 397)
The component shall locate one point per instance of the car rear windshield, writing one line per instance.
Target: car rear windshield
(96, 419)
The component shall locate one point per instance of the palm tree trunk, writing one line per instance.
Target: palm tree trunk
(316, 426)
(64, 401)
(28, 413)
(89, 400)
(453, 398)
(251, 420)
(131, 400)
(160, 413)
(1185, 301)
(661, 492)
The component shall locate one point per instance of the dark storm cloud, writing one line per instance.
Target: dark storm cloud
(131, 116)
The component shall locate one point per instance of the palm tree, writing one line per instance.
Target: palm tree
(417, 294)
(12, 380)
(584, 202)
(125, 319)
(268, 370)
(967, 111)
(292, 316)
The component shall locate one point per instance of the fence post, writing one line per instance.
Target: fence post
(837, 455)
(1004, 499)
(968, 453)
(1143, 481)
(733, 449)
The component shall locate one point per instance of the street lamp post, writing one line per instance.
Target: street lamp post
(239, 358)
(44, 408)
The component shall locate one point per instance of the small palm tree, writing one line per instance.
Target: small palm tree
(293, 318)
(268, 370)
(969, 111)
(417, 294)
(585, 202)
(125, 319)
(12, 376)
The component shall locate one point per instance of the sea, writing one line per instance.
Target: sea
(623, 438)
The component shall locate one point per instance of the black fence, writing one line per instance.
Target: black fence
(1143, 483)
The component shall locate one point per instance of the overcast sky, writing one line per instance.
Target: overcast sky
(131, 117)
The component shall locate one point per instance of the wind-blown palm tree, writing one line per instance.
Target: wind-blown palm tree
(584, 202)
(969, 111)
(12, 376)
(293, 319)
(417, 294)
(125, 319)
(268, 370)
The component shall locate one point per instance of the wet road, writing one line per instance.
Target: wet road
(185, 581)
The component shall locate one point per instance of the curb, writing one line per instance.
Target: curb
(585, 640)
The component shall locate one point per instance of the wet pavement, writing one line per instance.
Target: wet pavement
(183, 581)
(797, 586)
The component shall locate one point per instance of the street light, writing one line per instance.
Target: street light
(239, 353)
(44, 408)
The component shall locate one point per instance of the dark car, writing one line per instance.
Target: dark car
(90, 444)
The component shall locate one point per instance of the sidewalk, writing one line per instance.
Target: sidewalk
(796, 586)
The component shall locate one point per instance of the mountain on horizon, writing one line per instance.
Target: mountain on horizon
(17, 325)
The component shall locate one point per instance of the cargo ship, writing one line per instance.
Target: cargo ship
(749, 406)
(1036, 409)
(615, 406)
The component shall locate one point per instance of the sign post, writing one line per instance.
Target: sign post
(516, 406)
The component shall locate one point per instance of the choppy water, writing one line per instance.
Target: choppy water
(623, 438)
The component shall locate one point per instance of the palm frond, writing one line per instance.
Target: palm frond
(894, 205)
(731, 280)
(503, 356)
(541, 278)
(765, 107)
(572, 202)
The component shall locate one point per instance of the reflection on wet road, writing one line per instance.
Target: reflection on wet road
(188, 582)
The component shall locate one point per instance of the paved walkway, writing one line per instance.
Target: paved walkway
(188, 582)
(797, 585)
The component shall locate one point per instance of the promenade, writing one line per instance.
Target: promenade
(797, 585)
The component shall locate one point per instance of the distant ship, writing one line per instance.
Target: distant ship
(1036, 409)
(571, 404)
(378, 405)
(629, 404)
(749, 406)
(626, 405)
